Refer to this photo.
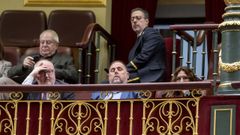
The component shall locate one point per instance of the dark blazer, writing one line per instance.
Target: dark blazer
(147, 57)
(63, 64)
(63, 95)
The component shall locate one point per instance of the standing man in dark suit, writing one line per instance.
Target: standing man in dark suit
(147, 56)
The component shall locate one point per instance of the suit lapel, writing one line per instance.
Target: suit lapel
(133, 50)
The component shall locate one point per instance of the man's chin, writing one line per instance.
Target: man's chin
(117, 81)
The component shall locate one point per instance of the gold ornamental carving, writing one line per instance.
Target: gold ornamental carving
(229, 67)
(229, 23)
(231, 2)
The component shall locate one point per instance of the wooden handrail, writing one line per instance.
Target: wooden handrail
(201, 30)
(90, 32)
(108, 87)
(193, 26)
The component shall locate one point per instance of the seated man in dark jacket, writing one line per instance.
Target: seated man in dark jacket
(117, 74)
(63, 63)
(44, 74)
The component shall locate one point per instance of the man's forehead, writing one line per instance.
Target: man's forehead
(45, 63)
(137, 13)
(46, 35)
(117, 64)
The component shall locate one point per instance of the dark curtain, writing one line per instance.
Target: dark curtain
(121, 26)
(214, 10)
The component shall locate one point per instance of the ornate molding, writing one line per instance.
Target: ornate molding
(229, 67)
(229, 23)
(69, 3)
(232, 2)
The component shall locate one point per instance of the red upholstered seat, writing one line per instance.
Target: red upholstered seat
(19, 29)
(70, 26)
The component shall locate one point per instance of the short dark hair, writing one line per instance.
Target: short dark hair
(145, 12)
(107, 69)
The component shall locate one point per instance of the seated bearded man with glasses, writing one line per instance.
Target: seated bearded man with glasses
(63, 63)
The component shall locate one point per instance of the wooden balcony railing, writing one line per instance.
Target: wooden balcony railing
(205, 35)
(90, 40)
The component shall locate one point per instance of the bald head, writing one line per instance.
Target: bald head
(118, 73)
(46, 74)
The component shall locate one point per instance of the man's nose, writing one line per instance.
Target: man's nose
(46, 75)
(44, 44)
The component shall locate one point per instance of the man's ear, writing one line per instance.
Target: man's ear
(147, 21)
(128, 75)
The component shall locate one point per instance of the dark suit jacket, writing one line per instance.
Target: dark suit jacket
(63, 96)
(147, 57)
(63, 64)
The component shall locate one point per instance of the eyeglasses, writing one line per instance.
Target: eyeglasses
(136, 17)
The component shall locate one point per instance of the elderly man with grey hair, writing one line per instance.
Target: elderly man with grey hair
(63, 63)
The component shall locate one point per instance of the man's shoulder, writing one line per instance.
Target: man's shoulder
(5, 63)
(150, 29)
(61, 57)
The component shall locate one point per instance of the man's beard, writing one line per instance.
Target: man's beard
(117, 80)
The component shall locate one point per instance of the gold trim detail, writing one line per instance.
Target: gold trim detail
(228, 23)
(181, 2)
(230, 110)
(231, 14)
(229, 67)
(69, 3)
(157, 116)
(133, 65)
(231, 2)
(134, 79)
(224, 85)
